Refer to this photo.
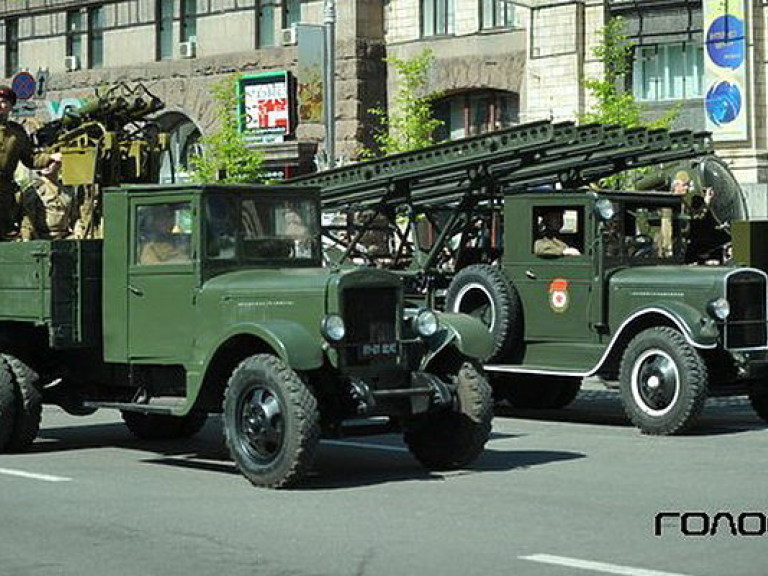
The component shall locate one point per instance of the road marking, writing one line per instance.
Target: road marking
(596, 566)
(365, 445)
(33, 476)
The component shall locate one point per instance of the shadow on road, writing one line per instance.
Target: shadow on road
(362, 462)
(730, 415)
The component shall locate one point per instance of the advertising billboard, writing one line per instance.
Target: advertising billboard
(265, 102)
(725, 69)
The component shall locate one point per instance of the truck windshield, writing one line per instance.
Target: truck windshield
(262, 229)
(643, 233)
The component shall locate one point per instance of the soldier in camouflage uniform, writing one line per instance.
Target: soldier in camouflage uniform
(48, 211)
(15, 147)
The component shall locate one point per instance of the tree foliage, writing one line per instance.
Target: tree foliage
(225, 156)
(614, 104)
(409, 125)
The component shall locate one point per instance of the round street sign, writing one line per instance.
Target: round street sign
(24, 85)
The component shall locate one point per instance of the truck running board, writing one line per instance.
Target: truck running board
(137, 407)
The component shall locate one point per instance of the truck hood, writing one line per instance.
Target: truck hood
(309, 282)
(671, 281)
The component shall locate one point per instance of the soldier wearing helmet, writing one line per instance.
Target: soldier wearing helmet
(15, 147)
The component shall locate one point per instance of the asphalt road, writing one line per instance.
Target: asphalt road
(561, 493)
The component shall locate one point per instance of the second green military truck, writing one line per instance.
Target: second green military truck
(206, 299)
(622, 305)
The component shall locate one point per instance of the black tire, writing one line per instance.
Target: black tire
(758, 397)
(451, 439)
(7, 405)
(482, 291)
(164, 426)
(29, 405)
(537, 392)
(271, 422)
(663, 382)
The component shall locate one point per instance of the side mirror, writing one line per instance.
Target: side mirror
(604, 209)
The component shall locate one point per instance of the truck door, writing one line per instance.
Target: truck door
(554, 276)
(162, 281)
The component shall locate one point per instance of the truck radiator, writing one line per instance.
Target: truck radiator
(746, 324)
(370, 315)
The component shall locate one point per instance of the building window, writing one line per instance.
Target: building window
(437, 17)
(75, 32)
(498, 14)
(668, 72)
(267, 10)
(291, 12)
(96, 37)
(476, 112)
(164, 23)
(11, 46)
(189, 20)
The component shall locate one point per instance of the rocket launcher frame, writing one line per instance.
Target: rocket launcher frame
(455, 183)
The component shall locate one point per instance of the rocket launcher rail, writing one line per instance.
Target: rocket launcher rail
(528, 155)
(382, 207)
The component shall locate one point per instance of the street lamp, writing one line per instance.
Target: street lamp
(329, 21)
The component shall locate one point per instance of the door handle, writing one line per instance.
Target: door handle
(530, 274)
(135, 291)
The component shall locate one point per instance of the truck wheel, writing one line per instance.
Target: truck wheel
(451, 439)
(538, 392)
(663, 382)
(271, 422)
(758, 397)
(482, 291)
(163, 426)
(29, 405)
(7, 405)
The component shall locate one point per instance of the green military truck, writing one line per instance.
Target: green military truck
(213, 299)
(460, 220)
(625, 308)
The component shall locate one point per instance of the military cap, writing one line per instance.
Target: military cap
(7, 93)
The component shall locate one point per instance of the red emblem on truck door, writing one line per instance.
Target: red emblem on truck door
(559, 298)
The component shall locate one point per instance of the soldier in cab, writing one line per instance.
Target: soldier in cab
(550, 244)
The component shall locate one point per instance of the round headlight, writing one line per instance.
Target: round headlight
(605, 209)
(332, 327)
(719, 308)
(425, 323)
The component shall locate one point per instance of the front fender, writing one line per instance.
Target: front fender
(292, 342)
(700, 330)
(470, 337)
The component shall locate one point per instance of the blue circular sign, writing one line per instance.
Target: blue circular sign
(24, 85)
(725, 41)
(723, 103)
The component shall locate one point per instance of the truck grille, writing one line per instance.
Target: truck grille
(370, 316)
(746, 325)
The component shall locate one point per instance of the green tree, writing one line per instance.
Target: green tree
(410, 124)
(225, 155)
(613, 103)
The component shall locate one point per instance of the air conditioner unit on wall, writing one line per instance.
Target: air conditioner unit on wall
(71, 63)
(188, 49)
(288, 36)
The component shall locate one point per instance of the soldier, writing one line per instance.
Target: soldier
(550, 245)
(48, 211)
(161, 246)
(15, 147)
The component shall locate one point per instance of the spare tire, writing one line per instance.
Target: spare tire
(482, 291)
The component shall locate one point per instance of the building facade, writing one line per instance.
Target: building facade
(497, 62)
